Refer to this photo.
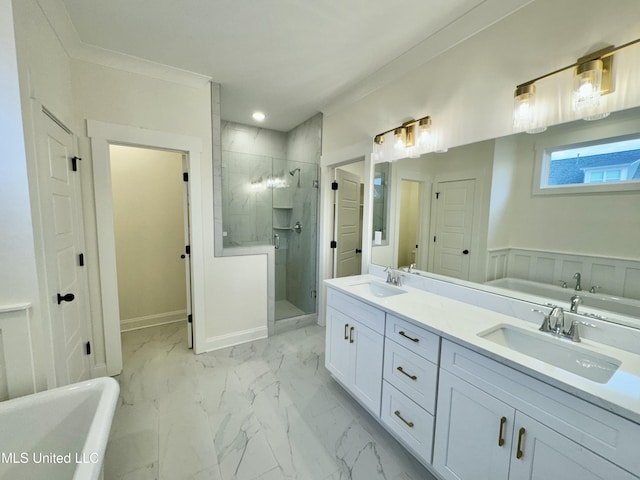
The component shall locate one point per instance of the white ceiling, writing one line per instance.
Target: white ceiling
(288, 58)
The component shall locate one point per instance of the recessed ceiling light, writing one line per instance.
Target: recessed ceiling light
(259, 116)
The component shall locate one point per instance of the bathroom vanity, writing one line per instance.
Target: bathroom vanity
(461, 388)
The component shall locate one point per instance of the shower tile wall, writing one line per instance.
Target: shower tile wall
(304, 147)
(247, 157)
(249, 213)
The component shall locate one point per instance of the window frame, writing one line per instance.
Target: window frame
(543, 150)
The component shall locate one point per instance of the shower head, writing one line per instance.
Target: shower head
(292, 172)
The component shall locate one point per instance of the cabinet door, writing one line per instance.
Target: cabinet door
(546, 454)
(473, 432)
(337, 345)
(367, 351)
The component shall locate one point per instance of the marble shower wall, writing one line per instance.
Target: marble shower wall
(252, 212)
(247, 157)
(304, 147)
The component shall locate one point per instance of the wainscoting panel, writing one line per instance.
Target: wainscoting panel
(613, 276)
(17, 375)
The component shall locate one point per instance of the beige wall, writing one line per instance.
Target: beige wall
(149, 230)
(408, 230)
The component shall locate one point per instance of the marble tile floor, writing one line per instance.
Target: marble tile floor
(265, 410)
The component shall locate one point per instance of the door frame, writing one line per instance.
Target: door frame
(102, 135)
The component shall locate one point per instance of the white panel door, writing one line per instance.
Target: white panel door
(60, 197)
(454, 219)
(546, 454)
(187, 256)
(348, 260)
(473, 432)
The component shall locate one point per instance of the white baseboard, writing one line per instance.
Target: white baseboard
(236, 338)
(152, 320)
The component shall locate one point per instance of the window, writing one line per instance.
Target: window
(605, 165)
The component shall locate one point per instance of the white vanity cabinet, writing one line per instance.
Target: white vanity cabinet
(410, 383)
(355, 346)
(480, 436)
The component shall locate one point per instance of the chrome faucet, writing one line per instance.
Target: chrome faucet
(411, 267)
(575, 301)
(554, 323)
(578, 278)
(393, 277)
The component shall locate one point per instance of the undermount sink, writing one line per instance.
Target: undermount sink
(378, 289)
(554, 351)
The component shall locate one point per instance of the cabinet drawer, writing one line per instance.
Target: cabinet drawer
(360, 311)
(416, 339)
(415, 376)
(409, 422)
(605, 433)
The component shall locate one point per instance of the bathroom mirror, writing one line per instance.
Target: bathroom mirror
(510, 217)
(381, 176)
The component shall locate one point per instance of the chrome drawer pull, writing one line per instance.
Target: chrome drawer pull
(397, 414)
(401, 370)
(416, 340)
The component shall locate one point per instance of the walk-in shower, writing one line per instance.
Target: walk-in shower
(273, 200)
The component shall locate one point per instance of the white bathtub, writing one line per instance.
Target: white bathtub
(621, 305)
(57, 434)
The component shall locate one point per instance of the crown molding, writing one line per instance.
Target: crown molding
(58, 17)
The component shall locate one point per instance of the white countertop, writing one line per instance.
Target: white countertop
(461, 323)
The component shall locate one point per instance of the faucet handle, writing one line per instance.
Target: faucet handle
(574, 331)
(545, 323)
(594, 288)
(562, 283)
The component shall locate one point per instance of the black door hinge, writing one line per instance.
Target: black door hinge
(434, 238)
(334, 244)
(88, 348)
(437, 195)
(81, 259)
(74, 163)
(185, 176)
(187, 249)
(334, 185)
(190, 318)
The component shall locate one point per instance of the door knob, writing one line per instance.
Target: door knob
(358, 250)
(69, 297)
(465, 251)
(182, 256)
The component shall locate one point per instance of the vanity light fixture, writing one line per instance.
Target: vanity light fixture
(411, 139)
(592, 78)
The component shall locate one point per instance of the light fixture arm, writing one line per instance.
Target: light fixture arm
(407, 124)
(597, 55)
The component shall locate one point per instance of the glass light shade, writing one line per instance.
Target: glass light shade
(400, 135)
(587, 86)
(425, 137)
(378, 149)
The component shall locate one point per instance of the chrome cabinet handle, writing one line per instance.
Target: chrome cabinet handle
(397, 414)
(276, 241)
(351, 334)
(416, 340)
(346, 337)
(503, 422)
(401, 370)
(519, 451)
